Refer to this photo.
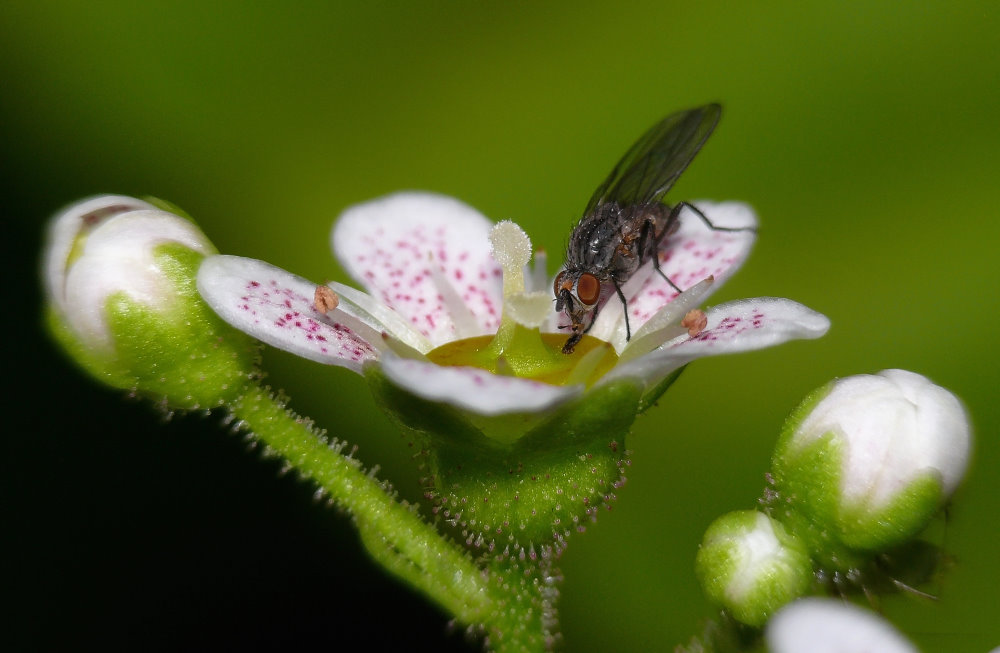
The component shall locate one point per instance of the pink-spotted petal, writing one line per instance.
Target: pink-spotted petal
(394, 247)
(695, 252)
(473, 389)
(734, 327)
(277, 307)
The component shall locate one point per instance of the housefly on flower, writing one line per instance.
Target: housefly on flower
(625, 220)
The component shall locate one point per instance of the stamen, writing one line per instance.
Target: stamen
(695, 321)
(539, 271)
(463, 319)
(665, 324)
(379, 316)
(504, 368)
(325, 300)
(401, 349)
(529, 309)
(585, 369)
(512, 250)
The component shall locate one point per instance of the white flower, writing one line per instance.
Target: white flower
(432, 279)
(815, 625)
(874, 459)
(103, 246)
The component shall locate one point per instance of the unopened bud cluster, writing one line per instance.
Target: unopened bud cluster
(861, 466)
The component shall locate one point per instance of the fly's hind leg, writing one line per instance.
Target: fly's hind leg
(621, 296)
(647, 236)
(676, 211)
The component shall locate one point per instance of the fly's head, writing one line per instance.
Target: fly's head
(577, 294)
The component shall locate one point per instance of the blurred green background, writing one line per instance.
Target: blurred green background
(865, 134)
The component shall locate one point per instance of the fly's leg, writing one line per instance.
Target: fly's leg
(577, 336)
(644, 239)
(676, 211)
(621, 296)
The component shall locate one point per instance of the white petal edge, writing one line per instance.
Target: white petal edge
(118, 256)
(276, 307)
(473, 389)
(391, 244)
(816, 625)
(68, 223)
(732, 328)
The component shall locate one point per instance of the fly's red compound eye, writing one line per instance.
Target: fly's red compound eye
(588, 289)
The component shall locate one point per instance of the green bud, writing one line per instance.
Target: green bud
(750, 565)
(866, 462)
(121, 300)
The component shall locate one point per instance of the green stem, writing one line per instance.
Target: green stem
(527, 593)
(393, 532)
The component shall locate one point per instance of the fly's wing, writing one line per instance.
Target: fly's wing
(651, 166)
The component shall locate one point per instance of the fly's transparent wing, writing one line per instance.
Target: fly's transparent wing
(651, 166)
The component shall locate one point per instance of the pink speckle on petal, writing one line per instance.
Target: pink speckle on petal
(294, 321)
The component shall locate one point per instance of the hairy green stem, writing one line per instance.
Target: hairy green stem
(392, 531)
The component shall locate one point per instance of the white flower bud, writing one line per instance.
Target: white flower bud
(749, 564)
(123, 302)
(103, 246)
(874, 459)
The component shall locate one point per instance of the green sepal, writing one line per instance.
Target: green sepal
(653, 395)
(534, 489)
(179, 354)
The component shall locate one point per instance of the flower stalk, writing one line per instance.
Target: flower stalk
(392, 531)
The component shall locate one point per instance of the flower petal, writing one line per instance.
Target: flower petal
(276, 307)
(69, 223)
(831, 626)
(389, 245)
(379, 316)
(739, 326)
(665, 324)
(473, 389)
(694, 253)
(118, 255)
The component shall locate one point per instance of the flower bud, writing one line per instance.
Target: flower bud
(867, 461)
(120, 281)
(749, 564)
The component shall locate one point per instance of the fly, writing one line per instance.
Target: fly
(625, 220)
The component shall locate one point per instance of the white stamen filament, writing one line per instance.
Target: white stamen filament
(588, 363)
(380, 316)
(540, 272)
(463, 319)
(529, 309)
(665, 323)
